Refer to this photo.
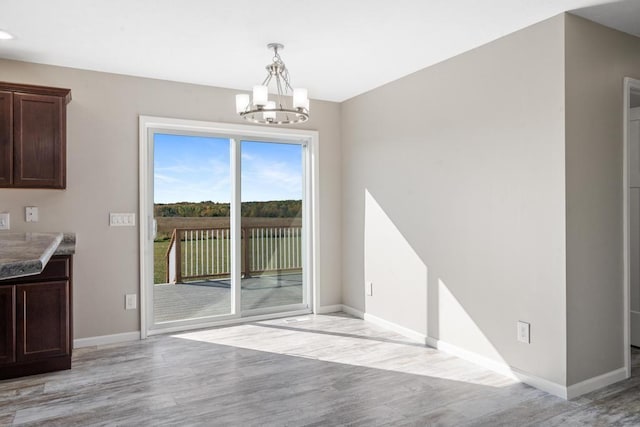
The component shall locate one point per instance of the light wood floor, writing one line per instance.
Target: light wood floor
(314, 371)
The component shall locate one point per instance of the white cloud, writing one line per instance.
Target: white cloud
(270, 180)
(165, 178)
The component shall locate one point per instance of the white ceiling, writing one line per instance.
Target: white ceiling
(335, 48)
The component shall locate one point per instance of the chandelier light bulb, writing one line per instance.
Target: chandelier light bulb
(300, 98)
(242, 102)
(260, 95)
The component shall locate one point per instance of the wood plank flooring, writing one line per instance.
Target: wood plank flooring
(326, 370)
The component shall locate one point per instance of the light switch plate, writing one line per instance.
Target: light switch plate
(4, 221)
(122, 219)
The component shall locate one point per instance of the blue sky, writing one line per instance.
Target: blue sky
(195, 169)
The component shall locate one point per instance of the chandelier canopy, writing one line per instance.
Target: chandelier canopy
(275, 112)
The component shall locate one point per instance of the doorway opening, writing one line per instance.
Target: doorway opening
(631, 223)
(228, 230)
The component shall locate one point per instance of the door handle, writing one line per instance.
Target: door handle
(153, 232)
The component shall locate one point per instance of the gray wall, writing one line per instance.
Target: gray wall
(597, 60)
(103, 178)
(454, 200)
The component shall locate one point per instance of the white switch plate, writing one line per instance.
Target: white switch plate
(368, 286)
(31, 214)
(130, 301)
(524, 330)
(4, 221)
(122, 219)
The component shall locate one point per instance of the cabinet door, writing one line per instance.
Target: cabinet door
(39, 150)
(6, 138)
(7, 325)
(42, 320)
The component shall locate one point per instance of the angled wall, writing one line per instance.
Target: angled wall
(597, 60)
(454, 201)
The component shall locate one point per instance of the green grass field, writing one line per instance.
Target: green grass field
(159, 261)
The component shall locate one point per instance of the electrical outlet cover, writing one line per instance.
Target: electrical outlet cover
(524, 329)
(31, 214)
(369, 288)
(130, 302)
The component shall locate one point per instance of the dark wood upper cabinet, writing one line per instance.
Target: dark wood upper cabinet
(33, 145)
(6, 138)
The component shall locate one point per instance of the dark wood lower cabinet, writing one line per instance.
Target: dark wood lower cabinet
(42, 320)
(7, 325)
(36, 326)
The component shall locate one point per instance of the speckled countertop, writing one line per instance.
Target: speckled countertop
(25, 254)
(68, 244)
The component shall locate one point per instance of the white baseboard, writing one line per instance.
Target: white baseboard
(500, 368)
(405, 332)
(480, 360)
(596, 383)
(545, 385)
(540, 383)
(473, 357)
(106, 339)
(325, 309)
(352, 311)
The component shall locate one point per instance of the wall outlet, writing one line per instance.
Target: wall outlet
(130, 301)
(31, 214)
(524, 330)
(4, 221)
(368, 288)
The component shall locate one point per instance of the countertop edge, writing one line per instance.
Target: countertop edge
(30, 267)
(68, 244)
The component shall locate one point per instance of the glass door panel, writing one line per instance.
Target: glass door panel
(192, 248)
(272, 196)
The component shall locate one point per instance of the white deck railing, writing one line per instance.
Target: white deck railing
(199, 253)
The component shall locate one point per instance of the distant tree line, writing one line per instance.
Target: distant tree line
(270, 209)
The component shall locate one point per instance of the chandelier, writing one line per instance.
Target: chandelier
(276, 112)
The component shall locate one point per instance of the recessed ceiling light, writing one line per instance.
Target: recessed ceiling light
(5, 35)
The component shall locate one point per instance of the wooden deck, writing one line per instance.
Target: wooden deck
(212, 297)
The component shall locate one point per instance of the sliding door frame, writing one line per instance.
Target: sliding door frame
(150, 125)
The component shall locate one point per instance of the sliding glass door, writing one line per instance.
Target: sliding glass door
(191, 204)
(230, 238)
(272, 226)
